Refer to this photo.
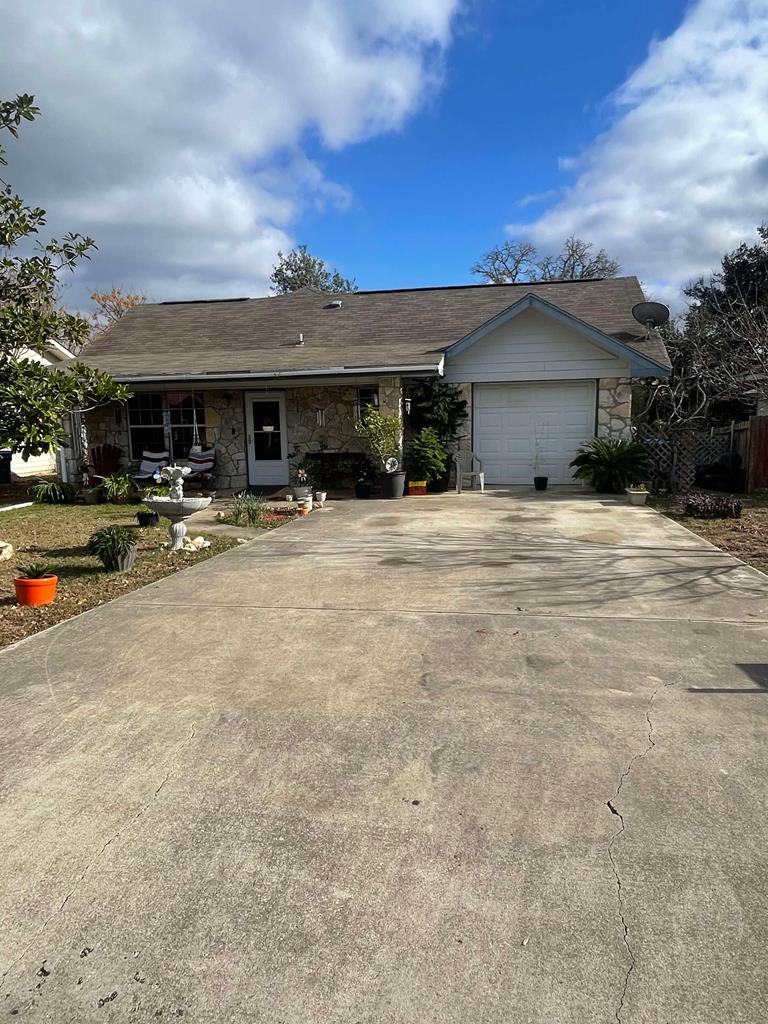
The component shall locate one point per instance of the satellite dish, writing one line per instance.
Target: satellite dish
(391, 465)
(650, 314)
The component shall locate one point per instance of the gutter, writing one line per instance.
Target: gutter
(332, 371)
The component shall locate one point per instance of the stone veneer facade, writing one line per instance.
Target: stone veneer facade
(614, 408)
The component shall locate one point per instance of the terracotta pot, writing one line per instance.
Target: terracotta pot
(32, 593)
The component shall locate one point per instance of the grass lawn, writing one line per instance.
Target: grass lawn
(747, 538)
(56, 535)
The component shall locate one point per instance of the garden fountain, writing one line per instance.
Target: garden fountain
(176, 507)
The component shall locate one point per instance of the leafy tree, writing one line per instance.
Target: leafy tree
(742, 279)
(111, 306)
(439, 407)
(35, 399)
(300, 269)
(519, 261)
(718, 346)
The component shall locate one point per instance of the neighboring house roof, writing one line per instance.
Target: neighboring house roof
(405, 330)
(55, 353)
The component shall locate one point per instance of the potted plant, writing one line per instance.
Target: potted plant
(539, 480)
(91, 495)
(638, 493)
(426, 460)
(35, 585)
(145, 517)
(118, 487)
(363, 488)
(383, 435)
(438, 405)
(610, 465)
(115, 547)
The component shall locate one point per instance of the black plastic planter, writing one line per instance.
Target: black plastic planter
(148, 518)
(540, 482)
(392, 484)
(362, 489)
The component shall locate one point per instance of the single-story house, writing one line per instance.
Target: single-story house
(544, 367)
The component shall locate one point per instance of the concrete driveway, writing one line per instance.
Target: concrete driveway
(492, 758)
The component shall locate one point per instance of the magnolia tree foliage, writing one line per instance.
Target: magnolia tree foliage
(35, 399)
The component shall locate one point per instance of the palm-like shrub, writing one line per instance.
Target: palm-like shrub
(610, 466)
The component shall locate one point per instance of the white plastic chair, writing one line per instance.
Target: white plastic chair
(465, 462)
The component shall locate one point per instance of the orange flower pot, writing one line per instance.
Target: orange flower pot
(417, 487)
(35, 592)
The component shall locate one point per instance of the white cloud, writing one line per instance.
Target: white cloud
(173, 132)
(681, 176)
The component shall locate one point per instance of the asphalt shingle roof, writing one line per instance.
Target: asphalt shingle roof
(371, 329)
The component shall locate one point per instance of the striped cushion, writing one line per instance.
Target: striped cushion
(150, 461)
(201, 463)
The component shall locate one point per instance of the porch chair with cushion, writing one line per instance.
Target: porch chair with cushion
(201, 464)
(465, 467)
(151, 461)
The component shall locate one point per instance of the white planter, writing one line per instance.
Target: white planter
(302, 492)
(637, 497)
(320, 496)
(305, 502)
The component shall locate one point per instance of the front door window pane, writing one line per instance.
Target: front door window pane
(267, 437)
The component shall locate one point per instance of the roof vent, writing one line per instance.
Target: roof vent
(300, 342)
(334, 304)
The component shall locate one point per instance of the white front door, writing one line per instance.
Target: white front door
(519, 427)
(267, 440)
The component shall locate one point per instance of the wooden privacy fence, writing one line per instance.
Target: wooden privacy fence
(674, 454)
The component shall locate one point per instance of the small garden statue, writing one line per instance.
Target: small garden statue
(175, 476)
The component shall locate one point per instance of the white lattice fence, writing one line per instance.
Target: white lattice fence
(671, 456)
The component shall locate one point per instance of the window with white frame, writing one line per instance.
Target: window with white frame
(172, 421)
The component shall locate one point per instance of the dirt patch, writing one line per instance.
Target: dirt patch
(56, 535)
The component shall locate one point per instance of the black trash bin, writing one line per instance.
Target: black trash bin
(5, 465)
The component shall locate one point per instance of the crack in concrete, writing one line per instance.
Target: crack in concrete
(611, 805)
(116, 835)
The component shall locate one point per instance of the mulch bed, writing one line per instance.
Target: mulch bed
(56, 535)
(746, 538)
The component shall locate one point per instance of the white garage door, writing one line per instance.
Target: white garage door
(512, 420)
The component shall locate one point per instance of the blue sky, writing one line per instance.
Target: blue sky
(523, 87)
(397, 138)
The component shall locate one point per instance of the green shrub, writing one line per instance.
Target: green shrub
(610, 466)
(111, 542)
(439, 406)
(52, 492)
(248, 509)
(118, 487)
(427, 457)
(383, 435)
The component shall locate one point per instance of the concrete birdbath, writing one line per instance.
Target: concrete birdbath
(176, 507)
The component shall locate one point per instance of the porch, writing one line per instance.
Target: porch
(254, 431)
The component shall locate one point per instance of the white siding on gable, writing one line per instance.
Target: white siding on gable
(533, 346)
